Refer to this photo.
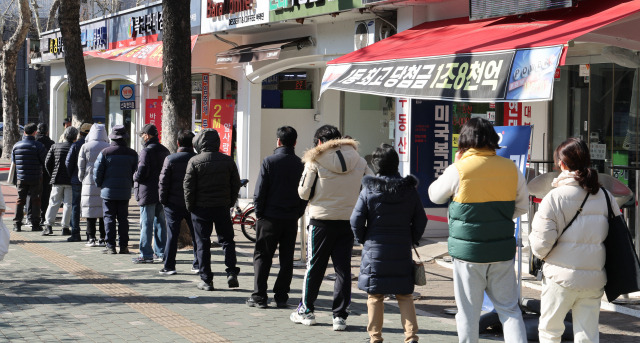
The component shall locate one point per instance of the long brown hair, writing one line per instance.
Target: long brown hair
(574, 153)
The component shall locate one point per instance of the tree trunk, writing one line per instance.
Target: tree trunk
(69, 20)
(43, 92)
(176, 70)
(8, 67)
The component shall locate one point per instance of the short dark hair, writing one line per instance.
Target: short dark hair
(287, 136)
(478, 133)
(43, 128)
(30, 128)
(385, 160)
(326, 133)
(185, 138)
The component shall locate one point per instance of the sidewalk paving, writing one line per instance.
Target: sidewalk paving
(52, 290)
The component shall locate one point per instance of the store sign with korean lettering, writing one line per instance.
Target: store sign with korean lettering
(127, 97)
(525, 74)
(403, 108)
(221, 15)
(220, 118)
(153, 114)
(136, 28)
(431, 127)
(94, 38)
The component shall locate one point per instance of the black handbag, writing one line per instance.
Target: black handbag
(535, 263)
(622, 265)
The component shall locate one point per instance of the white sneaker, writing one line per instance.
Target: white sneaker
(91, 243)
(303, 318)
(195, 271)
(339, 324)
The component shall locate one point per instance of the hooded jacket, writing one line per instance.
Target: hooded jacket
(148, 174)
(96, 141)
(388, 219)
(55, 163)
(212, 178)
(577, 262)
(331, 179)
(29, 157)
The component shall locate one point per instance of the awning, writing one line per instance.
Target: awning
(261, 51)
(506, 59)
(149, 54)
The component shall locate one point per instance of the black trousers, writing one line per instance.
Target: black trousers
(271, 234)
(329, 239)
(174, 216)
(33, 189)
(203, 219)
(91, 228)
(44, 201)
(116, 210)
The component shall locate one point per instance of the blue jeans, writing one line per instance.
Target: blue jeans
(76, 194)
(153, 227)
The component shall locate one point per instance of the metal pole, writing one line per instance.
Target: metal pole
(26, 81)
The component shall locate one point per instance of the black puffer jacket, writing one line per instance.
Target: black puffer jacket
(171, 189)
(29, 156)
(47, 142)
(388, 219)
(55, 163)
(212, 178)
(148, 173)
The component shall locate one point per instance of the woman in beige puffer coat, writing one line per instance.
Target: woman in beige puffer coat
(574, 275)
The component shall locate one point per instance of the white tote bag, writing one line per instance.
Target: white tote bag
(4, 239)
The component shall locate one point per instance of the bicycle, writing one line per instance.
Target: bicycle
(245, 217)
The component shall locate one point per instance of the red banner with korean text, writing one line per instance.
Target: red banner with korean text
(517, 114)
(220, 118)
(153, 114)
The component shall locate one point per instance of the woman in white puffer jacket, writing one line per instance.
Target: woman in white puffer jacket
(574, 275)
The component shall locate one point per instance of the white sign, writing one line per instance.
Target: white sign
(584, 69)
(217, 17)
(403, 108)
(598, 151)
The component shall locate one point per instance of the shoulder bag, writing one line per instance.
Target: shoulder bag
(419, 274)
(535, 263)
(622, 265)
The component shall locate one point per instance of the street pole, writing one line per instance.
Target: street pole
(26, 81)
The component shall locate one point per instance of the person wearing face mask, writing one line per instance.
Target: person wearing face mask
(153, 227)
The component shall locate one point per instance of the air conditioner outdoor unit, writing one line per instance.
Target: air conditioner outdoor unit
(368, 32)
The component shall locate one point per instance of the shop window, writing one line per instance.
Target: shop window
(287, 90)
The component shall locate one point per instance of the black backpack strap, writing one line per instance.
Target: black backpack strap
(606, 196)
(573, 219)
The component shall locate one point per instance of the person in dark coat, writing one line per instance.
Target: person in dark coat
(29, 158)
(71, 162)
(113, 173)
(278, 207)
(388, 219)
(42, 137)
(61, 181)
(153, 226)
(171, 192)
(211, 186)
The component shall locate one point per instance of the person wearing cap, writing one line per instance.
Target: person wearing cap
(76, 185)
(65, 124)
(153, 226)
(113, 172)
(211, 186)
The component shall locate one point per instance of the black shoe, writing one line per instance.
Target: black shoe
(124, 251)
(17, 228)
(232, 281)
(281, 304)
(74, 238)
(48, 230)
(109, 251)
(259, 304)
(36, 228)
(66, 231)
(205, 286)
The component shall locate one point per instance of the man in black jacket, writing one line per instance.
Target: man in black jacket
(61, 181)
(29, 157)
(211, 186)
(278, 207)
(42, 137)
(172, 198)
(153, 226)
(71, 162)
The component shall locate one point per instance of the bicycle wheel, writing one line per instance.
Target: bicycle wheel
(248, 225)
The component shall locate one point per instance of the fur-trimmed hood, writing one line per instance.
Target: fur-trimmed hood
(338, 155)
(394, 186)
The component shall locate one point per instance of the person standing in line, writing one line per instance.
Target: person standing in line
(153, 225)
(331, 182)
(42, 137)
(61, 181)
(29, 158)
(574, 275)
(388, 220)
(211, 186)
(488, 193)
(65, 124)
(278, 207)
(71, 162)
(113, 173)
(171, 193)
(90, 202)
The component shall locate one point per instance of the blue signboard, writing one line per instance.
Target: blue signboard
(127, 97)
(532, 73)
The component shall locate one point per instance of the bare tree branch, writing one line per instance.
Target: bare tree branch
(52, 14)
(36, 15)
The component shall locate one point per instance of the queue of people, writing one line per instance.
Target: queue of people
(346, 201)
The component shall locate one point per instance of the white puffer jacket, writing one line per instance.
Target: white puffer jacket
(336, 169)
(577, 262)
